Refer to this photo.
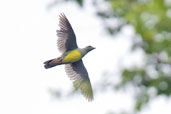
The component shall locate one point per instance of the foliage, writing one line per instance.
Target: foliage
(152, 22)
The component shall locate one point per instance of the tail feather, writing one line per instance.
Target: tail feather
(53, 62)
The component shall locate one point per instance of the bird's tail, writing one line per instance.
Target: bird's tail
(53, 62)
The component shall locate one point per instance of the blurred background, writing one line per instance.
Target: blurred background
(130, 70)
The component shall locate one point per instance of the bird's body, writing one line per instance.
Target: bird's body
(68, 57)
(72, 58)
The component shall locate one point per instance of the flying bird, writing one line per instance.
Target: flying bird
(71, 57)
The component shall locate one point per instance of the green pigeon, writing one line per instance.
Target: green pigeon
(71, 57)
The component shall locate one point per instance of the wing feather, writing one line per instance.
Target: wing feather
(79, 75)
(66, 36)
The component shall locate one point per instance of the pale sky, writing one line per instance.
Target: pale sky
(28, 38)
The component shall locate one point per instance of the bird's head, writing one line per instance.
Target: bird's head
(89, 48)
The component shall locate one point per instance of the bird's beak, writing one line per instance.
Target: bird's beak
(93, 48)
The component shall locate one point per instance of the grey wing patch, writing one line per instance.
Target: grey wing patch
(79, 75)
(66, 36)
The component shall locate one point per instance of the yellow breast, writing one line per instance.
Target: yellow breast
(73, 56)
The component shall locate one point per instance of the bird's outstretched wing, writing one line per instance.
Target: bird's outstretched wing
(78, 73)
(66, 36)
